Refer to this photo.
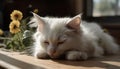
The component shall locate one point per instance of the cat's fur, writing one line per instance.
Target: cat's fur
(72, 37)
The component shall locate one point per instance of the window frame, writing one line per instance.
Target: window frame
(88, 10)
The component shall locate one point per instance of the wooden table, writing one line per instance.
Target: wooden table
(14, 60)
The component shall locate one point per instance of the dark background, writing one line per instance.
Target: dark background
(59, 8)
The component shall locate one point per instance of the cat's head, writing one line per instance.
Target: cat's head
(58, 35)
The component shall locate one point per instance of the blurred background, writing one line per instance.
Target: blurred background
(104, 12)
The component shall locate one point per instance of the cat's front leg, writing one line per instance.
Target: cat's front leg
(76, 55)
(42, 55)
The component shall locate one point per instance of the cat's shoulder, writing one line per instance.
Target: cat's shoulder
(92, 25)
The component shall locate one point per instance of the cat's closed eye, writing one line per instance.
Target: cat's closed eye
(46, 42)
(61, 42)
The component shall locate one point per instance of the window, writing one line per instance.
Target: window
(102, 10)
(106, 8)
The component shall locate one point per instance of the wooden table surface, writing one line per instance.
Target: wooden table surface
(14, 60)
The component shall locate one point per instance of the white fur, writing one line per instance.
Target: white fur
(95, 32)
(76, 55)
(36, 44)
(93, 42)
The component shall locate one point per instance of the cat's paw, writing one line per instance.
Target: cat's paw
(76, 55)
(41, 55)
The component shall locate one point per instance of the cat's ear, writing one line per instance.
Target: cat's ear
(74, 23)
(40, 22)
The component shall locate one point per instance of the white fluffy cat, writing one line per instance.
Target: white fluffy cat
(72, 37)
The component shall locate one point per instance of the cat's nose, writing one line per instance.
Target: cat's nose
(51, 50)
(52, 53)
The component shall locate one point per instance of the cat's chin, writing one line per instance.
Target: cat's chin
(57, 56)
(54, 56)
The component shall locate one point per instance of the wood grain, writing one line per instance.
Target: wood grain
(29, 62)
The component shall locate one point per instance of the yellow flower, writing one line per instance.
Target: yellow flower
(1, 32)
(16, 15)
(35, 10)
(14, 26)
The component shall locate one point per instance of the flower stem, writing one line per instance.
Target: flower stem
(21, 47)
